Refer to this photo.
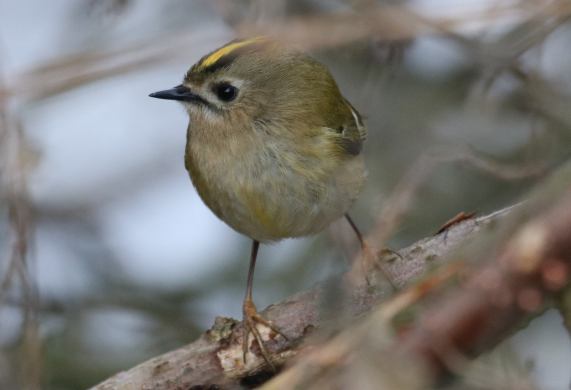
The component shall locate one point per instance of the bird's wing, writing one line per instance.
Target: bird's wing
(358, 121)
(350, 131)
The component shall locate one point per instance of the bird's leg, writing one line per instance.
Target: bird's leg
(251, 315)
(368, 258)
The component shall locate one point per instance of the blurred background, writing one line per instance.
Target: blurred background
(107, 255)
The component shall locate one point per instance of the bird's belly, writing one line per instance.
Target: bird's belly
(268, 200)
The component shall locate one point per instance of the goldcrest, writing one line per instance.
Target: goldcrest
(273, 148)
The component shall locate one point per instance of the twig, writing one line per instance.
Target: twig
(14, 181)
(401, 199)
(564, 306)
(389, 23)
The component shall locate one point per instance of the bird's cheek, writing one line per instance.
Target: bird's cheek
(191, 109)
(251, 105)
(196, 113)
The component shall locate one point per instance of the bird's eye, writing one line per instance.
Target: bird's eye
(225, 92)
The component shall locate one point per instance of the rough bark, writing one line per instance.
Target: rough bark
(466, 307)
(510, 264)
(215, 358)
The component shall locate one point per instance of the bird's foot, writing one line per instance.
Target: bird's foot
(369, 262)
(250, 320)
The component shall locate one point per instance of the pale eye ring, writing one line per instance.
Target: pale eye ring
(225, 91)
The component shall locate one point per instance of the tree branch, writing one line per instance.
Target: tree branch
(461, 310)
(510, 264)
(215, 358)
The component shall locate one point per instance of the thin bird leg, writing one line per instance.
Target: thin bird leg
(357, 232)
(367, 258)
(251, 315)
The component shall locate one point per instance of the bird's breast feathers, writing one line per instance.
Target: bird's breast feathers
(270, 188)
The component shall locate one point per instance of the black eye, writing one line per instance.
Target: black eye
(225, 92)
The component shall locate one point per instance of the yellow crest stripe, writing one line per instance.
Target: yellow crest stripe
(224, 50)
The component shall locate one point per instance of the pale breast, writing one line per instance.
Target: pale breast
(269, 191)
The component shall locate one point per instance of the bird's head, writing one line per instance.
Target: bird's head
(255, 79)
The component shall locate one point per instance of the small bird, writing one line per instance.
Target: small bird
(273, 148)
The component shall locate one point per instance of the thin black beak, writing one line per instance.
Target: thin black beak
(180, 92)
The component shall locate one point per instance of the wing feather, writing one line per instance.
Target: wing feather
(352, 132)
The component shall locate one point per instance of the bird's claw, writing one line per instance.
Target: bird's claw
(251, 319)
(368, 262)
